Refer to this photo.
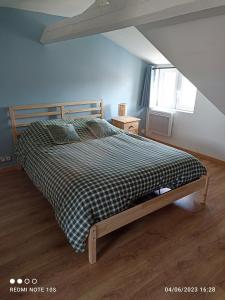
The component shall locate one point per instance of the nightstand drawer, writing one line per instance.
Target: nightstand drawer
(118, 124)
(130, 124)
(131, 127)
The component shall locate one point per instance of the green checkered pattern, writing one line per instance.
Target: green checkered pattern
(91, 180)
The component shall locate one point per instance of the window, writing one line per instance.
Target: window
(170, 90)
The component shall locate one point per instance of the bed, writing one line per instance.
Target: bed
(94, 185)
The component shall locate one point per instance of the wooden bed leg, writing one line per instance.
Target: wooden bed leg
(92, 245)
(205, 192)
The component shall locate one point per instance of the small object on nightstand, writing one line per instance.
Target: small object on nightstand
(130, 124)
(122, 109)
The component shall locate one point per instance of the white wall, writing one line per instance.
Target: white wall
(197, 49)
(203, 131)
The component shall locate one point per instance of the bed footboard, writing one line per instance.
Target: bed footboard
(130, 215)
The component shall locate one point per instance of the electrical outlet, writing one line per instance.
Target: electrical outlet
(2, 159)
(5, 158)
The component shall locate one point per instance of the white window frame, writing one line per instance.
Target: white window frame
(155, 82)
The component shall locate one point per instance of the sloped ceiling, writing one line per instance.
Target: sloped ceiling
(133, 40)
(197, 49)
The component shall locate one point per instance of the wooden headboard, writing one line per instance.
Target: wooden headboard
(86, 109)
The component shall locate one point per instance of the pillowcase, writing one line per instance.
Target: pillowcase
(63, 134)
(40, 134)
(101, 128)
(81, 128)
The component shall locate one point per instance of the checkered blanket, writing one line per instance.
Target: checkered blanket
(89, 181)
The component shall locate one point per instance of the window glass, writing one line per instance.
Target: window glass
(167, 88)
(186, 95)
(171, 90)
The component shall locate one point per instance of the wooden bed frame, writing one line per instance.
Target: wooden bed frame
(58, 110)
(62, 110)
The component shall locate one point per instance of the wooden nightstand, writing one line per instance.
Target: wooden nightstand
(129, 124)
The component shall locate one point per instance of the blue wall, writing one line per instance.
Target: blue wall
(85, 68)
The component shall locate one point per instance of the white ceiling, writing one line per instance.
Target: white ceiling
(129, 38)
(134, 41)
(65, 8)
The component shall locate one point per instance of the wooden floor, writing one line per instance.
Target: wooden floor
(182, 245)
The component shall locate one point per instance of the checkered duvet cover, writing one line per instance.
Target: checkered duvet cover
(91, 180)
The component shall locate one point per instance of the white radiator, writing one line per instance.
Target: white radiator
(160, 123)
